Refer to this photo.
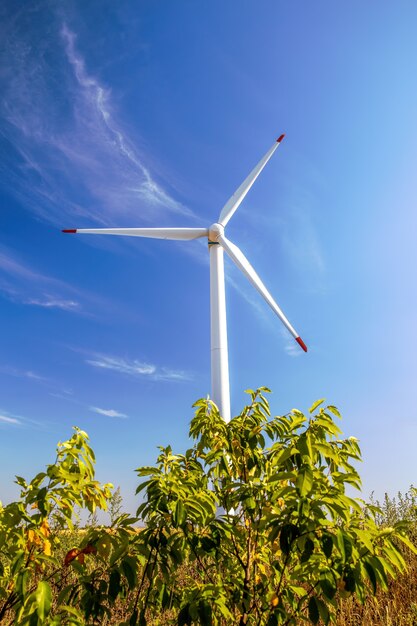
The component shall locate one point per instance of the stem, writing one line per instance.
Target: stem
(199, 561)
(246, 580)
(236, 552)
(8, 604)
(150, 578)
(142, 581)
(13, 598)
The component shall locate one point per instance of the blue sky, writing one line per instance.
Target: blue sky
(152, 114)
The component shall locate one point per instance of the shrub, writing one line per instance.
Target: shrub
(260, 506)
(252, 525)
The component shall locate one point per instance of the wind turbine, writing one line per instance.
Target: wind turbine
(217, 243)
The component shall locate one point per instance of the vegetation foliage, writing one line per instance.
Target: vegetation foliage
(252, 525)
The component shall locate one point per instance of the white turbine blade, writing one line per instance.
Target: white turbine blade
(243, 264)
(233, 203)
(153, 233)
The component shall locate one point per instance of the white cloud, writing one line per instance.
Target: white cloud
(49, 302)
(301, 240)
(18, 420)
(22, 284)
(77, 163)
(135, 367)
(99, 109)
(30, 374)
(107, 412)
(291, 347)
(28, 286)
(13, 371)
(5, 419)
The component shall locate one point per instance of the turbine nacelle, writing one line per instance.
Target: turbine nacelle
(216, 231)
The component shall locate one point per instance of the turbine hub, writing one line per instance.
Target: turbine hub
(215, 231)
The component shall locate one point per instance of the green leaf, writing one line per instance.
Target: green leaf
(118, 552)
(184, 617)
(129, 570)
(43, 597)
(327, 588)
(379, 570)
(308, 550)
(304, 482)
(205, 613)
(21, 582)
(371, 575)
(250, 504)
(341, 544)
(350, 582)
(313, 609)
(334, 410)
(323, 611)
(179, 513)
(287, 536)
(315, 405)
(114, 584)
(327, 544)
(65, 593)
(407, 542)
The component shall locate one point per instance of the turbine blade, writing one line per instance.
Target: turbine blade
(243, 264)
(153, 233)
(233, 203)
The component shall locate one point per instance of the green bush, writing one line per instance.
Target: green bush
(252, 525)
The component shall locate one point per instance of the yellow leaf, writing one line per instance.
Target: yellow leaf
(45, 528)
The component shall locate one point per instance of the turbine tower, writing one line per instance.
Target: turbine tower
(217, 243)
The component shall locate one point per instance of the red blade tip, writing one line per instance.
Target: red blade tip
(301, 343)
(70, 230)
(280, 138)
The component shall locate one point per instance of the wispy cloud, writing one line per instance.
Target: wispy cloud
(301, 242)
(292, 349)
(53, 387)
(98, 99)
(107, 412)
(291, 226)
(137, 368)
(5, 419)
(11, 419)
(290, 346)
(21, 283)
(77, 162)
(13, 371)
(50, 302)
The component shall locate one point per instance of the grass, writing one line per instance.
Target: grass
(398, 605)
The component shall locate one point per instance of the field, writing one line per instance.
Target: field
(252, 526)
(395, 607)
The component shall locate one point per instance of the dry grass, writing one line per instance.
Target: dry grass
(395, 607)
